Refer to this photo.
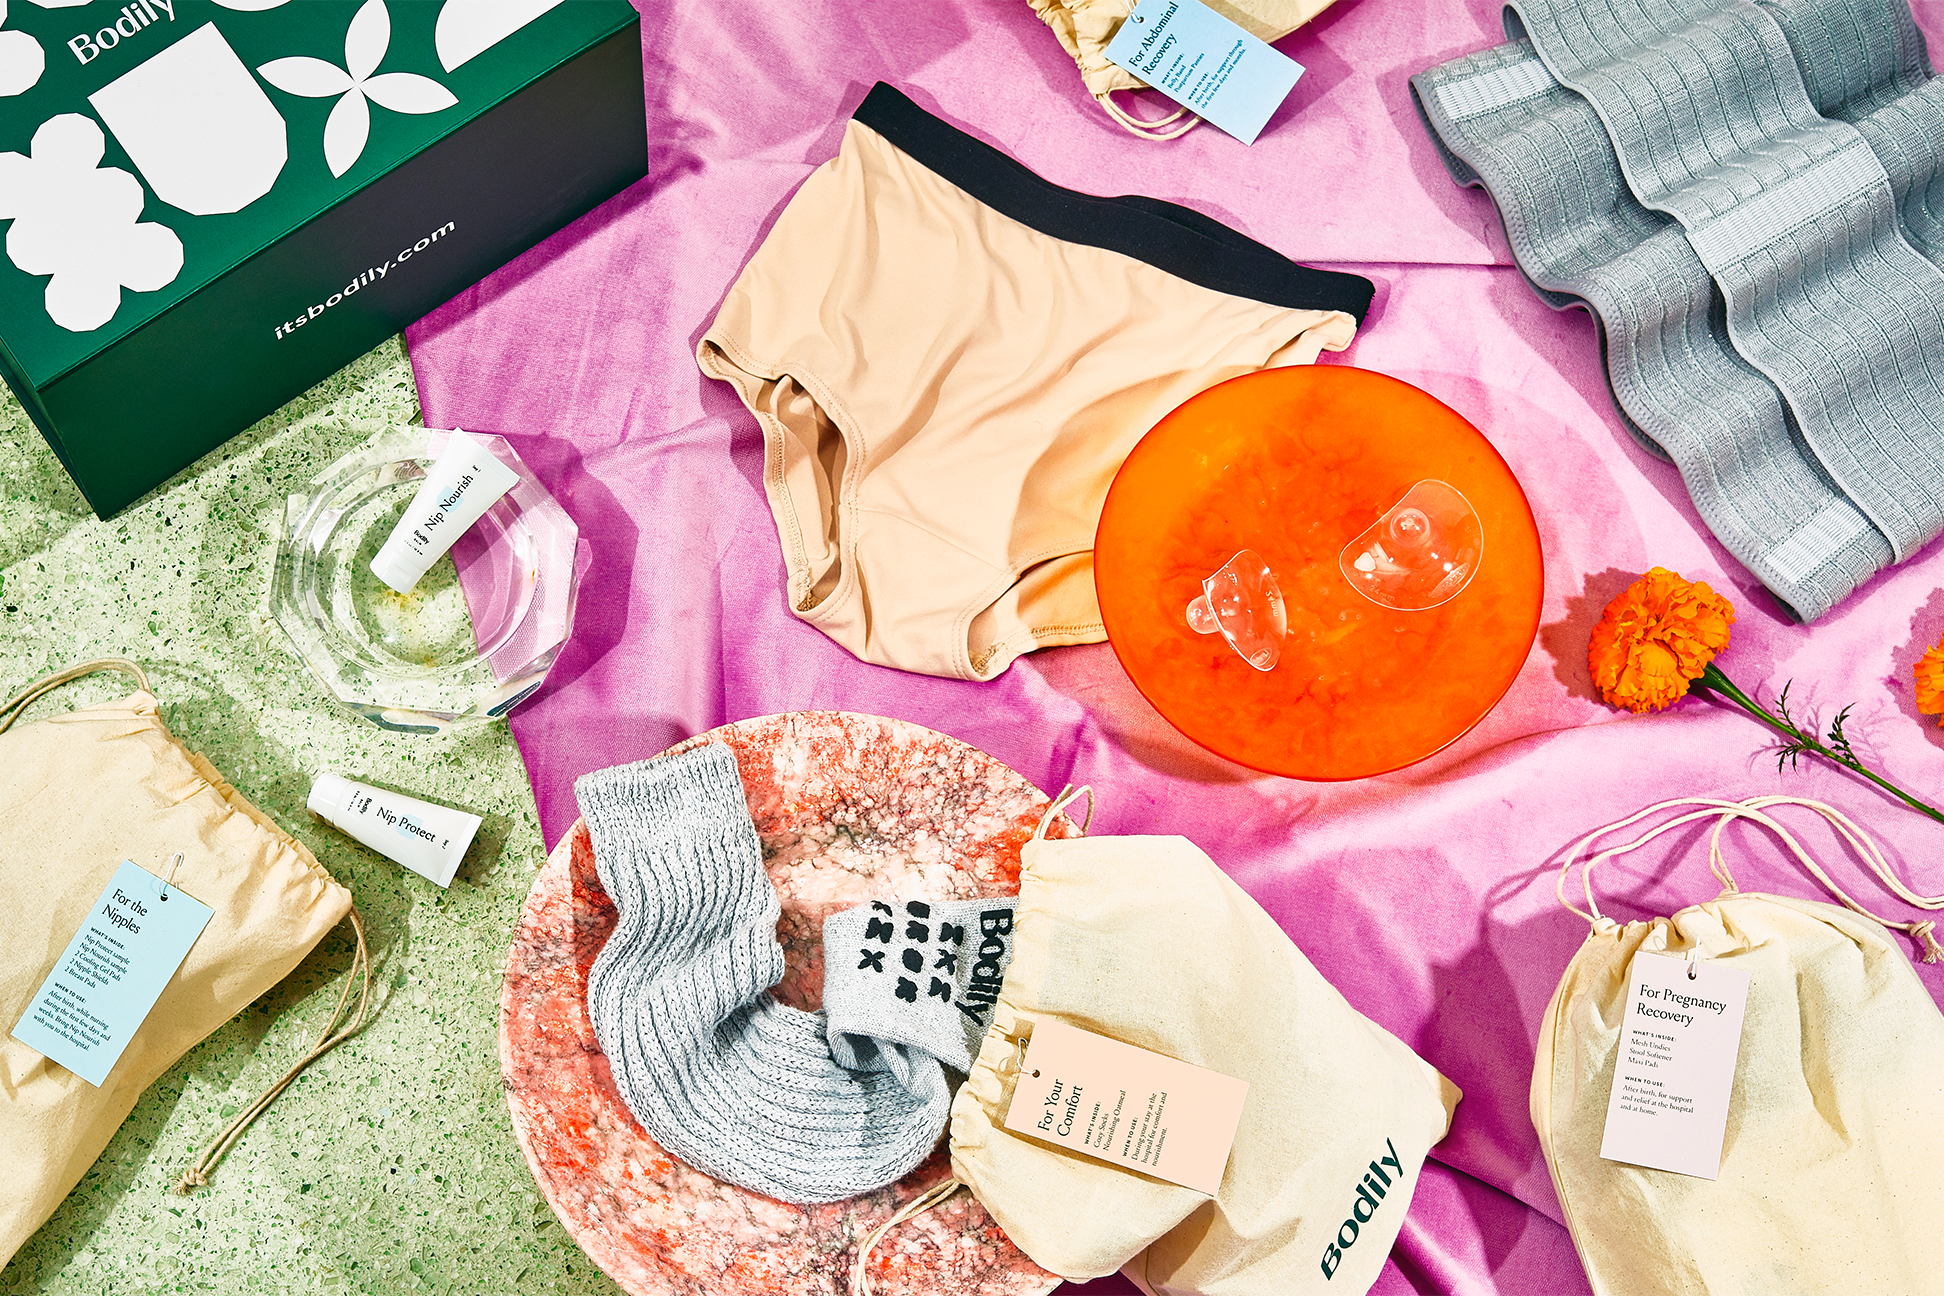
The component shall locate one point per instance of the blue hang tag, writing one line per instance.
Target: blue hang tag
(1205, 63)
(112, 972)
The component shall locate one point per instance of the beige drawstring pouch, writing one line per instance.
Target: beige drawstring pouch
(1835, 1127)
(1143, 940)
(1087, 27)
(80, 793)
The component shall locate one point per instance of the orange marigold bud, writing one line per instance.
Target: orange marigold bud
(1930, 683)
(1654, 639)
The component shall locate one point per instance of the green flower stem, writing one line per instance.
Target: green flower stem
(1713, 680)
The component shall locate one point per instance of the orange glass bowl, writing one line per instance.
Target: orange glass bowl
(1295, 463)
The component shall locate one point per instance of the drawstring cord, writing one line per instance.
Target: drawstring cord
(1154, 128)
(335, 1032)
(936, 1195)
(1726, 812)
(48, 683)
(1068, 795)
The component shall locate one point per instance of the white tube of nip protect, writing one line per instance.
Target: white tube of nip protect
(462, 484)
(427, 839)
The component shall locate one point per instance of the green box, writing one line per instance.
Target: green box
(159, 301)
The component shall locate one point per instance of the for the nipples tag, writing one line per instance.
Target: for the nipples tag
(1676, 1064)
(112, 972)
(1205, 63)
(1126, 1106)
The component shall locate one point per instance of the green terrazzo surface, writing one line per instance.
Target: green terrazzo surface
(391, 1165)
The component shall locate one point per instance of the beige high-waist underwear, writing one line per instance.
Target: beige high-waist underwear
(950, 357)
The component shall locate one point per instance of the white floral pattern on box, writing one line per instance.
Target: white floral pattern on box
(349, 124)
(22, 60)
(469, 27)
(78, 221)
(197, 125)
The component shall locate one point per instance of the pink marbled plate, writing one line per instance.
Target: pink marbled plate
(849, 808)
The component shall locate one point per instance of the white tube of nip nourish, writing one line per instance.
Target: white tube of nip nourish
(427, 839)
(461, 485)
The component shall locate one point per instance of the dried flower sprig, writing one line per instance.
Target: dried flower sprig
(1659, 638)
(1798, 741)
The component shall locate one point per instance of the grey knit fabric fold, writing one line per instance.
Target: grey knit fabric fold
(715, 1069)
(1769, 314)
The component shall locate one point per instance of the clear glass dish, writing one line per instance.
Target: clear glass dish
(441, 657)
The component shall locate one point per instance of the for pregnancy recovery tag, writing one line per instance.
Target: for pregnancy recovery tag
(112, 972)
(1205, 63)
(1676, 1064)
(1126, 1106)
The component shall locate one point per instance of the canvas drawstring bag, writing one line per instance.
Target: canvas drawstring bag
(1835, 1127)
(1086, 27)
(1144, 940)
(80, 793)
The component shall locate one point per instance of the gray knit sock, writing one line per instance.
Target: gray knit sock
(911, 983)
(716, 1070)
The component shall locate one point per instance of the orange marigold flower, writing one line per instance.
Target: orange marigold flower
(1930, 683)
(1660, 634)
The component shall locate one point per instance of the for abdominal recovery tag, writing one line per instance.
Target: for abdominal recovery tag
(1126, 1106)
(112, 972)
(1676, 1064)
(1205, 63)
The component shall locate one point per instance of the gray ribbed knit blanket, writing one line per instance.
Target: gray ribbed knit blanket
(1743, 194)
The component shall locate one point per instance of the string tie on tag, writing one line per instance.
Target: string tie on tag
(936, 1195)
(174, 864)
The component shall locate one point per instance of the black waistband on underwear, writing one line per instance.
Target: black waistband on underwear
(1167, 236)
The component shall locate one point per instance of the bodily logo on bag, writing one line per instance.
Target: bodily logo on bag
(1370, 1195)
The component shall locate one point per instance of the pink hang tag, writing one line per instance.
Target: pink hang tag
(1128, 1107)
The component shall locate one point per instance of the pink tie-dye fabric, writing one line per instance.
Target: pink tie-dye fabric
(1426, 895)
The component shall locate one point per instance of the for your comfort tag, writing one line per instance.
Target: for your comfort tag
(1676, 1064)
(1126, 1106)
(1205, 63)
(112, 972)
